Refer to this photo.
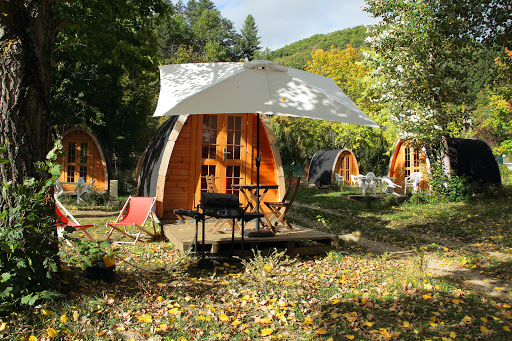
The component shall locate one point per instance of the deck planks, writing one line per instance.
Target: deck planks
(303, 241)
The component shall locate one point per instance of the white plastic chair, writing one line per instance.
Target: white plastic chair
(339, 179)
(82, 188)
(390, 186)
(413, 181)
(370, 182)
(354, 180)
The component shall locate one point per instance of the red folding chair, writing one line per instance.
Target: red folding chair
(63, 221)
(135, 213)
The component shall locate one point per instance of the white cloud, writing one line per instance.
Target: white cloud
(281, 22)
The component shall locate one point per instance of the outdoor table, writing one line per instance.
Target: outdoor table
(249, 193)
(363, 180)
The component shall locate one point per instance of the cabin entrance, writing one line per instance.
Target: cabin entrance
(222, 151)
(76, 161)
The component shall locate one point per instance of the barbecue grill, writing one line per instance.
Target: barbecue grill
(220, 206)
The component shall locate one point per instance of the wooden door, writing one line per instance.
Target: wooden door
(222, 151)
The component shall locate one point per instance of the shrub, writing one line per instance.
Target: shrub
(451, 188)
(28, 241)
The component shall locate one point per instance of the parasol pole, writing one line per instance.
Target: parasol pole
(258, 161)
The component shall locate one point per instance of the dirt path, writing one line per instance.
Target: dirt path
(468, 277)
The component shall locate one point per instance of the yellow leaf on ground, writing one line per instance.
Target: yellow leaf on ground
(51, 333)
(159, 298)
(236, 322)
(484, 330)
(267, 331)
(406, 324)
(321, 331)
(3, 326)
(64, 318)
(75, 315)
(267, 268)
(427, 297)
(32, 338)
(46, 312)
(453, 335)
(350, 337)
(223, 317)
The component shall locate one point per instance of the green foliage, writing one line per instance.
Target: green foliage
(28, 241)
(197, 32)
(88, 252)
(297, 54)
(506, 174)
(250, 42)
(104, 71)
(262, 267)
(451, 188)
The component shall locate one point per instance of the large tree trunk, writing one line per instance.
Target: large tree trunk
(26, 38)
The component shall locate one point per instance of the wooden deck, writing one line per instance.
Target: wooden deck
(303, 241)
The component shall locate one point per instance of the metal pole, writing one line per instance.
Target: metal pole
(258, 161)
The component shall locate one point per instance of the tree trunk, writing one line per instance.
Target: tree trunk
(26, 39)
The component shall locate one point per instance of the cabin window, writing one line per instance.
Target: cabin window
(205, 171)
(232, 178)
(412, 160)
(407, 164)
(83, 153)
(71, 151)
(83, 172)
(209, 139)
(71, 174)
(234, 137)
(345, 168)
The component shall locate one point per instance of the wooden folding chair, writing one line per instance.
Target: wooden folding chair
(64, 218)
(135, 213)
(278, 209)
(211, 187)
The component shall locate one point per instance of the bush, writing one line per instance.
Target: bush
(28, 240)
(452, 188)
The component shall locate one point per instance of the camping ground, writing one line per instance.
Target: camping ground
(403, 271)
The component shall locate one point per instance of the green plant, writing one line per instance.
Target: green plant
(263, 267)
(28, 241)
(451, 188)
(97, 198)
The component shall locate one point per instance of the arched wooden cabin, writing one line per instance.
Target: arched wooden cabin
(187, 148)
(325, 164)
(470, 157)
(85, 157)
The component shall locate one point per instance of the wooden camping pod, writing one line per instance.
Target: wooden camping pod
(325, 164)
(187, 148)
(469, 157)
(85, 157)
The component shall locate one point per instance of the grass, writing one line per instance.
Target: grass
(352, 293)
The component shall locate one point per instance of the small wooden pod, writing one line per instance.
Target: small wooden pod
(85, 157)
(187, 148)
(469, 157)
(325, 164)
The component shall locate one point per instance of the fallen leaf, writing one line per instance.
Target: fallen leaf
(51, 333)
(321, 331)
(267, 331)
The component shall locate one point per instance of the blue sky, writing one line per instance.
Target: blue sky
(281, 22)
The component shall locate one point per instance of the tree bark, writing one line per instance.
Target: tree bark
(26, 39)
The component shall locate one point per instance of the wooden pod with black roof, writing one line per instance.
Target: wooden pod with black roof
(187, 148)
(326, 163)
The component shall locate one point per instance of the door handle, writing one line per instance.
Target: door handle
(225, 152)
